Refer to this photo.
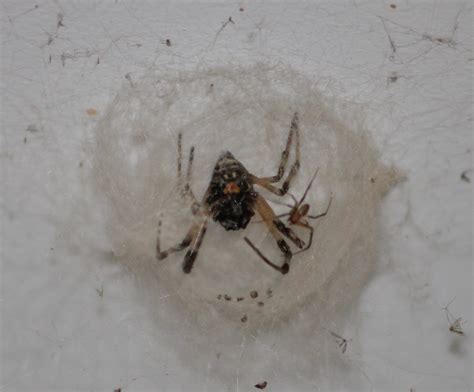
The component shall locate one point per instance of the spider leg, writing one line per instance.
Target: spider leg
(266, 182)
(306, 225)
(277, 230)
(275, 225)
(160, 255)
(281, 203)
(277, 216)
(187, 187)
(323, 213)
(199, 230)
(186, 191)
(308, 187)
(283, 269)
(294, 199)
(179, 159)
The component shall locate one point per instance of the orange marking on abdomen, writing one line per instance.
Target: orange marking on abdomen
(231, 187)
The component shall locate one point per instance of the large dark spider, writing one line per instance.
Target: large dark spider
(232, 200)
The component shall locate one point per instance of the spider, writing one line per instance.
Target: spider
(296, 216)
(299, 211)
(232, 200)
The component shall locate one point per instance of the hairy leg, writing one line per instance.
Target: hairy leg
(198, 236)
(186, 190)
(266, 182)
(277, 229)
(160, 255)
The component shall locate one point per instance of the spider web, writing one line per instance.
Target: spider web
(250, 109)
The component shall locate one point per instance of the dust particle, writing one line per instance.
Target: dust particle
(60, 21)
(240, 299)
(465, 177)
(260, 303)
(244, 318)
(219, 296)
(168, 42)
(241, 9)
(269, 293)
(254, 294)
(393, 6)
(227, 297)
(32, 128)
(393, 77)
(100, 292)
(91, 112)
(261, 385)
(25, 140)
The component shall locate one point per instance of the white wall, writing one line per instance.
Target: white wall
(409, 64)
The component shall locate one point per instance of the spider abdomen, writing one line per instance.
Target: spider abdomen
(230, 197)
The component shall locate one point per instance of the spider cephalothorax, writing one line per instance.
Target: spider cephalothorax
(232, 200)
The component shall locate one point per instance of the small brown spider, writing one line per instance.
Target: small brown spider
(297, 214)
(299, 211)
(232, 200)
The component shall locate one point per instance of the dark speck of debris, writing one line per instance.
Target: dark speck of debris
(269, 293)
(372, 180)
(227, 297)
(118, 390)
(393, 77)
(218, 355)
(261, 385)
(91, 112)
(98, 61)
(128, 76)
(244, 318)
(393, 6)
(440, 40)
(260, 303)
(240, 299)
(100, 291)
(168, 42)
(254, 294)
(464, 176)
(241, 9)
(60, 20)
(50, 59)
(25, 140)
(81, 164)
(219, 296)
(31, 128)
(51, 248)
